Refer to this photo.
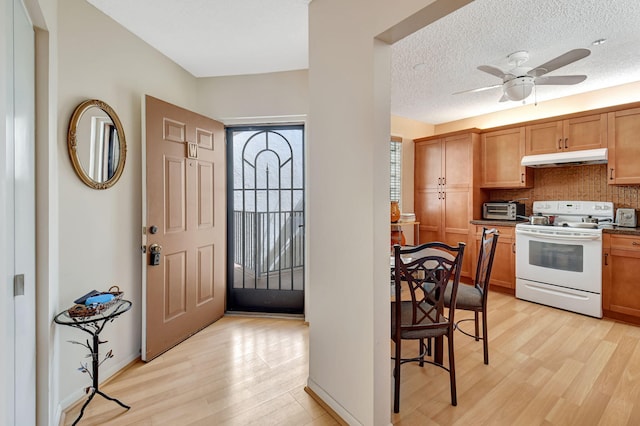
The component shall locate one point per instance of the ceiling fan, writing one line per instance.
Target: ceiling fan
(518, 83)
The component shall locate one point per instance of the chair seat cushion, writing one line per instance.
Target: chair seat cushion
(469, 297)
(437, 329)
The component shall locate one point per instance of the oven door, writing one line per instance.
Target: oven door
(560, 257)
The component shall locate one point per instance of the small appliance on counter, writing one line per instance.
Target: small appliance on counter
(626, 218)
(502, 210)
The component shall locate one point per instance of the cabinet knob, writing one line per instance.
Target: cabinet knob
(559, 144)
(611, 173)
(566, 146)
(635, 243)
(606, 258)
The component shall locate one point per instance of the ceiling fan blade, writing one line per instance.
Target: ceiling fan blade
(560, 61)
(479, 89)
(492, 70)
(560, 80)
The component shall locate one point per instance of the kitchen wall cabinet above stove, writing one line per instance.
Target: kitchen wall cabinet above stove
(624, 147)
(572, 134)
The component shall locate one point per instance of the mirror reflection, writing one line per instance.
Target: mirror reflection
(96, 144)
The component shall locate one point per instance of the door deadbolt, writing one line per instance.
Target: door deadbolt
(154, 254)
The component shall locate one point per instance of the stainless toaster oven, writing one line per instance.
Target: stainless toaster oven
(502, 210)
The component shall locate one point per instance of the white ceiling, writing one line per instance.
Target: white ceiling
(233, 37)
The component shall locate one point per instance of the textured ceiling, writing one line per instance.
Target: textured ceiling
(485, 32)
(234, 37)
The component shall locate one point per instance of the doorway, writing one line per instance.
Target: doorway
(265, 219)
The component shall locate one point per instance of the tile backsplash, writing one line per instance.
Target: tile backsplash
(575, 183)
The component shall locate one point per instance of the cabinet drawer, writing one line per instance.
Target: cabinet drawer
(505, 232)
(625, 242)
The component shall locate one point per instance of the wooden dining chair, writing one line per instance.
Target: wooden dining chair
(474, 297)
(422, 274)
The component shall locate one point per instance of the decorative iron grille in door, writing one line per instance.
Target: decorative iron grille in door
(265, 219)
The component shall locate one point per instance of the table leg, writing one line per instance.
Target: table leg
(438, 350)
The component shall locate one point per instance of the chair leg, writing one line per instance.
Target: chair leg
(396, 378)
(475, 316)
(485, 337)
(452, 369)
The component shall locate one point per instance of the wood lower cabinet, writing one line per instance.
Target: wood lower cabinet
(624, 150)
(620, 282)
(572, 134)
(444, 173)
(503, 272)
(502, 152)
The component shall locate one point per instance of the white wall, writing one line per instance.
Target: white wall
(349, 131)
(249, 99)
(100, 230)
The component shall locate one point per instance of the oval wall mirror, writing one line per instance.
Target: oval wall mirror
(96, 144)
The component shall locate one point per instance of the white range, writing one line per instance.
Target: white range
(560, 265)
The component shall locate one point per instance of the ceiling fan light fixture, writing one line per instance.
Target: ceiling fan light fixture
(519, 88)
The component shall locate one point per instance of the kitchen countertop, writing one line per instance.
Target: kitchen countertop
(618, 231)
(494, 222)
(622, 231)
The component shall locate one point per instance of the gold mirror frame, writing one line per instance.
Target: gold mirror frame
(72, 144)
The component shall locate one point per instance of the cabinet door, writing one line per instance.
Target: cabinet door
(588, 132)
(428, 207)
(457, 161)
(544, 138)
(622, 292)
(455, 229)
(624, 149)
(428, 171)
(503, 271)
(502, 152)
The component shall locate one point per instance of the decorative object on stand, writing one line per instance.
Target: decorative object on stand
(395, 212)
(397, 236)
(95, 302)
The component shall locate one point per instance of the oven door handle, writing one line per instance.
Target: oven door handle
(560, 237)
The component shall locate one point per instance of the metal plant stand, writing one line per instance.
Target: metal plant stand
(93, 325)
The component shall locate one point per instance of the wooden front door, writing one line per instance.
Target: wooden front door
(185, 224)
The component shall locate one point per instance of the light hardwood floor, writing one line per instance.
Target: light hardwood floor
(547, 367)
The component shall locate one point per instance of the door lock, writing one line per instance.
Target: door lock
(154, 254)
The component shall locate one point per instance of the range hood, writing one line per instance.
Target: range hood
(571, 158)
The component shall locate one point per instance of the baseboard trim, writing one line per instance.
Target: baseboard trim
(321, 397)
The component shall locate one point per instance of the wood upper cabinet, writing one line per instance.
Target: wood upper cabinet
(620, 269)
(443, 189)
(572, 134)
(444, 163)
(624, 147)
(502, 152)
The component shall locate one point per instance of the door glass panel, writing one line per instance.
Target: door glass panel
(266, 219)
(564, 257)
